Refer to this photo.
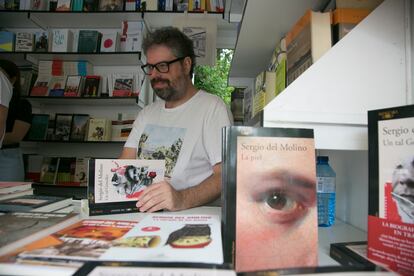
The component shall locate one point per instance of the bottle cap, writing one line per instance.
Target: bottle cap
(322, 158)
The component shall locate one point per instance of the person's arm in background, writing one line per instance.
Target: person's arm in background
(20, 129)
(128, 153)
(21, 125)
(3, 118)
(162, 196)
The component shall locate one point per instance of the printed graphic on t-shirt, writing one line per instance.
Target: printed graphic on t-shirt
(158, 142)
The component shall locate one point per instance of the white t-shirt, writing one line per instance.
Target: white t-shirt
(188, 137)
(6, 91)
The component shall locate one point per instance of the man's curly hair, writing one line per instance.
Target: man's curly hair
(173, 38)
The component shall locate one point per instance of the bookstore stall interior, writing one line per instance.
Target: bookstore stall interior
(317, 169)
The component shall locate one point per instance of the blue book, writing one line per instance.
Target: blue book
(6, 41)
(77, 5)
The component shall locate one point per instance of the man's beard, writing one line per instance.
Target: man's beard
(168, 93)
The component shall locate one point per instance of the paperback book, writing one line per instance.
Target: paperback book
(391, 193)
(35, 203)
(63, 124)
(99, 129)
(23, 227)
(79, 127)
(57, 86)
(73, 86)
(38, 128)
(269, 215)
(170, 238)
(91, 86)
(353, 254)
(41, 86)
(115, 184)
(81, 241)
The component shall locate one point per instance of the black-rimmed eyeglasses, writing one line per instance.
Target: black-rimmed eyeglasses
(162, 67)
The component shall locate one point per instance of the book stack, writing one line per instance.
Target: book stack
(35, 203)
(14, 189)
(307, 41)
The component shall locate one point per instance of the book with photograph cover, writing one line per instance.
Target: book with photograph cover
(115, 184)
(99, 129)
(81, 241)
(63, 5)
(27, 79)
(57, 86)
(41, 41)
(90, 5)
(352, 254)
(269, 213)
(171, 237)
(81, 171)
(391, 157)
(66, 171)
(73, 86)
(79, 127)
(38, 128)
(27, 203)
(23, 227)
(91, 86)
(48, 170)
(391, 190)
(63, 123)
(50, 133)
(41, 86)
(123, 85)
(111, 5)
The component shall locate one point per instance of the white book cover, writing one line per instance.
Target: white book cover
(62, 40)
(121, 180)
(109, 42)
(24, 42)
(171, 238)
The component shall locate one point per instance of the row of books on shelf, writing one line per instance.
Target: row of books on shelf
(111, 85)
(304, 43)
(78, 127)
(127, 39)
(114, 5)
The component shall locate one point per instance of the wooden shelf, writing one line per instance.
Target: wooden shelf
(38, 100)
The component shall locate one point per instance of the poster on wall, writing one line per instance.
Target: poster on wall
(203, 33)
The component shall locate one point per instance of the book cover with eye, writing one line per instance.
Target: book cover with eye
(269, 212)
(391, 187)
(115, 184)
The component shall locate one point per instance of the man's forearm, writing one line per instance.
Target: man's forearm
(205, 192)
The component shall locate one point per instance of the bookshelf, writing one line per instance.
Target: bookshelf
(369, 68)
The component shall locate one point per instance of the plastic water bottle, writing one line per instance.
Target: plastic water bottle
(325, 177)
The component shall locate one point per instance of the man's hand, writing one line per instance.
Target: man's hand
(160, 196)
